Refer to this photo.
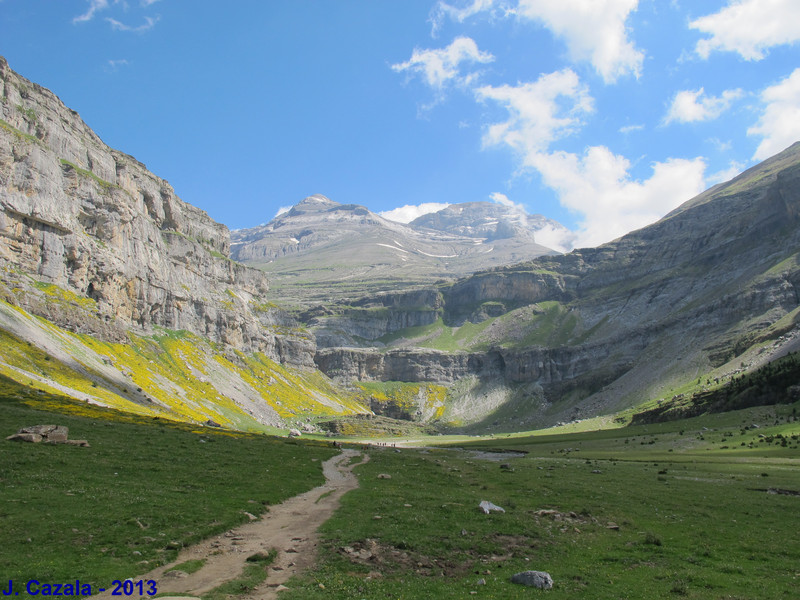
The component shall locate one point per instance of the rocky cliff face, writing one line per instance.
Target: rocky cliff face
(94, 242)
(714, 282)
(96, 223)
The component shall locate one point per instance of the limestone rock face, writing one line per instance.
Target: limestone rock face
(95, 222)
(693, 292)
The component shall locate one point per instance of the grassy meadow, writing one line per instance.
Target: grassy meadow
(698, 508)
(142, 490)
(674, 510)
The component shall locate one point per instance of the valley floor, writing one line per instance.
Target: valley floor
(698, 508)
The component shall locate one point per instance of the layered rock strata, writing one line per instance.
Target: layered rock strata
(94, 222)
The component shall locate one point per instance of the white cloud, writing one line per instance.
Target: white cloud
(734, 169)
(631, 128)
(598, 186)
(779, 125)
(444, 9)
(539, 113)
(505, 201)
(114, 65)
(593, 30)
(689, 106)
(462, 14)
(559, 239)
(409, 212)
(554, 236)
(440, 67)
(749, 27)
(94, 6)
(149, 23)
(518, 209)
(282, 210)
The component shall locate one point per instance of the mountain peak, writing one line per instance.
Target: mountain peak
(313, 203)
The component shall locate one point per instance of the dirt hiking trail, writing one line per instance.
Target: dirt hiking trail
(290, 528)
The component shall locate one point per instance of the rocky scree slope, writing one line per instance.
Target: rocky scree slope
(323, 251)
(710, 288)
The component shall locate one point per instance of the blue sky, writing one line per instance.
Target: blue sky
(601, 114)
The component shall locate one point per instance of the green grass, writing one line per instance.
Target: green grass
(20, 135)
(189, 567)
(440, 336)
(695, 519)
(690, 498)
(143, 490)
(106, 185)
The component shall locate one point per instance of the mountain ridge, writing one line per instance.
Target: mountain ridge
(714, 282)
(115, 291)
(319, 242)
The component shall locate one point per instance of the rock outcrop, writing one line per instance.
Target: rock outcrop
(716, 277)
(48, 434)
(96, 224)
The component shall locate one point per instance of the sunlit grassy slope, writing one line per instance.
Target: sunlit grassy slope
(142, 490)
(173, 374)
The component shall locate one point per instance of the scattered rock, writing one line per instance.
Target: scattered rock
(58, 434)
(294, 433)
(783, 492)
(212, 423)
(384, 476)
(49, 434)
(25, 437)
(175, 574)
(613, 526)
(537, 579)
(487, 507)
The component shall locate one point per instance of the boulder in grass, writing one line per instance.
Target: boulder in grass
(42, 430)
(59, 434)
(538, 579)
(48, 434)
(81, 443)
(488, 507)
(25, 437)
